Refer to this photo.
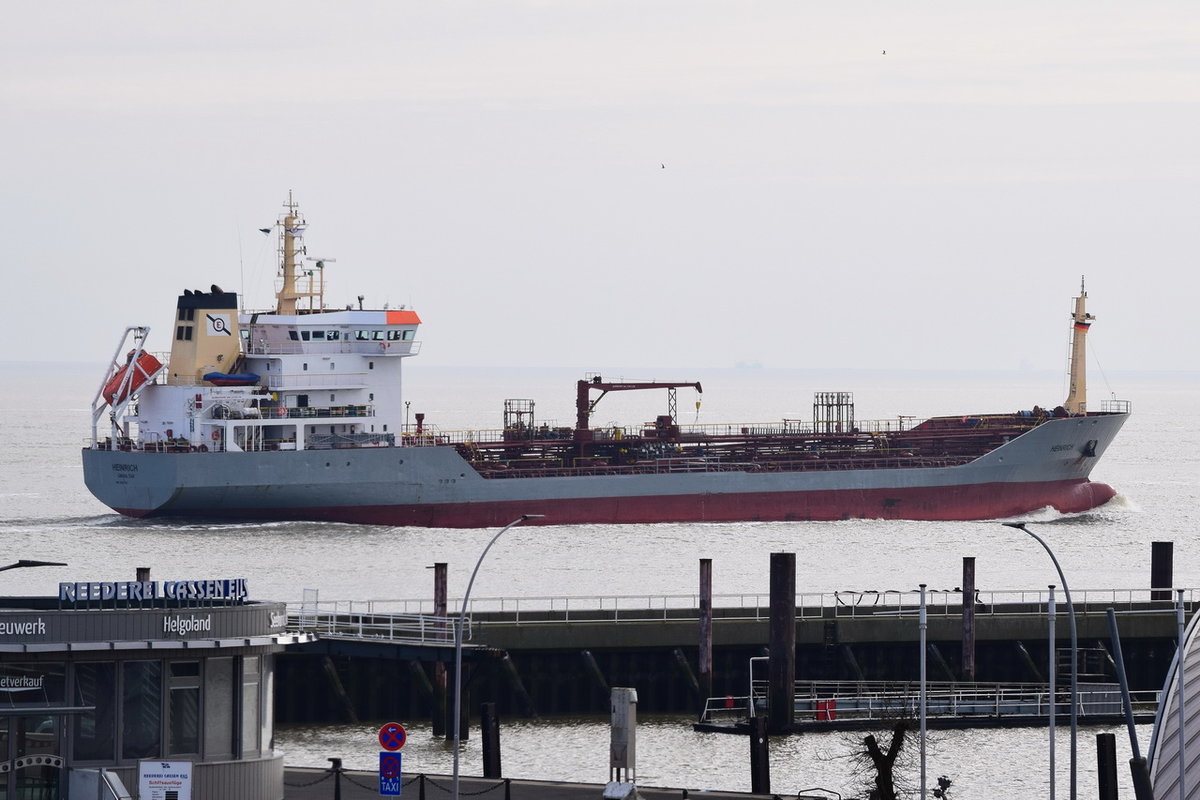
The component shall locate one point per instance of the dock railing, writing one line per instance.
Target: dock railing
(331, 623)
(864, 701)
(750, 607)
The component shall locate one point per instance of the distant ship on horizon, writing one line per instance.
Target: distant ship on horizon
(296, 413)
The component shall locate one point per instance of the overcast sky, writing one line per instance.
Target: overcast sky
(642, 183)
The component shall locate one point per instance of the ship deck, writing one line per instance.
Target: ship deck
(782, 447)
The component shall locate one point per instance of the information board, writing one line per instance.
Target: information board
(164, 780)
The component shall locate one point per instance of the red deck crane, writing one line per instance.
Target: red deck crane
(584, 405)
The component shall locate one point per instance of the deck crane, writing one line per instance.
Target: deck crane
(584, 405)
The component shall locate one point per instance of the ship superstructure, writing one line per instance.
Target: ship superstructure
(297, 413)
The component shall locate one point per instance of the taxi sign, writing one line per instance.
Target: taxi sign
(390, 775)
(392, 736)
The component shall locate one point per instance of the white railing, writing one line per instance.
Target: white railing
(425, 629)
(871, 700)
(756, 607)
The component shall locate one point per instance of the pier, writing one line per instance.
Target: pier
(551, 655)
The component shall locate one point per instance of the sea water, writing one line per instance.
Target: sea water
(1154, 464)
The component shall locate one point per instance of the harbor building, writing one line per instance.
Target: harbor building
(164, 685)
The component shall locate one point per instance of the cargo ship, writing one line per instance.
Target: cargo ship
(296, 413)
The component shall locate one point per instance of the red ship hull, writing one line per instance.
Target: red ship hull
(946, 503)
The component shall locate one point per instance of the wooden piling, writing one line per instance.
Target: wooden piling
(760, 760)
(338, 689)
(781, 673)
(968, 619)
(706, 632)
(939, 661)
(1106, 765)
(489, 732)
(420, 678)
(518, 686)
(593, 669)
(1028, 661)
(440, 684)
(1162, 559)
(689, 677)
(852, 663)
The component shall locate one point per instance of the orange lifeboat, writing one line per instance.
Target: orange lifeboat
(142, 370)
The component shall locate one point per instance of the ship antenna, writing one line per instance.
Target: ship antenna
(241, 267)
(1076, 402)
(291, 229)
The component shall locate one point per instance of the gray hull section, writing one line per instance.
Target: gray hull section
(435, 486)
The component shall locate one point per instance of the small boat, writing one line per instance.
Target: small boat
(225, 379)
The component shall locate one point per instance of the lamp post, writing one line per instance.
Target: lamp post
(24, 562)
(1074, 651)
(458, 637)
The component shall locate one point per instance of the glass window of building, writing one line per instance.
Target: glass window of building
(219, 727)
(183, 732)
(141, 709)
(250, 706)
(268, 708)
(95, 685)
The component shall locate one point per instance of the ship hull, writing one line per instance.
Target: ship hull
(434, 487)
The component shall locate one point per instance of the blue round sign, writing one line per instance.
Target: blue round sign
(392, 736)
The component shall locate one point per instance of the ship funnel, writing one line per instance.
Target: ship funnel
(206, 333)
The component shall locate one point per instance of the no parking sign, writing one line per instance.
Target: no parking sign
(392, 737)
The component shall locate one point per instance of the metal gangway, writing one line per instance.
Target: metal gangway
(334, 621)
(868, 701)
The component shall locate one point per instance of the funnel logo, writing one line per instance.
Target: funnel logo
(218, 325)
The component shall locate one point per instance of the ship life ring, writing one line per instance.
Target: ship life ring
(216, 435)
(383, 346)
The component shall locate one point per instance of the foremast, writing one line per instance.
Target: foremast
(1076, 402)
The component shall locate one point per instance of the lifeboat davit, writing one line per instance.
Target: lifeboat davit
(139, 372)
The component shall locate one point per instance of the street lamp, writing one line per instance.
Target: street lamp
(24, 562)
(1074, 650)
(458, 637)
